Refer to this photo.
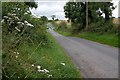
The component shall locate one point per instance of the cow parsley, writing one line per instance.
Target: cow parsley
(17, 29)
(63, 64)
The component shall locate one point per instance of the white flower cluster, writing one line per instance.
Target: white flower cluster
(11, 14)
(25, 13)
(42, 70)
(62, 64)
(2, 20)
(39, 69)
(6, 17)
(28, 24)
(49, 75)
(32, 65)
(20, 23)
(17, 29)
(17, 53)
(13, 19)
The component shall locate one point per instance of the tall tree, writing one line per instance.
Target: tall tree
(44, 19)
(76, 12)
(53, 17)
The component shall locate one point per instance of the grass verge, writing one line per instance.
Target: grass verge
(34, 61)
(109, 39)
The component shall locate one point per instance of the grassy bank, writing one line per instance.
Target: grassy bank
(65, 33)
(108, 39)
(35, 61)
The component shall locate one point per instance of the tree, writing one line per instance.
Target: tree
(31, 4)
(107, 8)
(44, 19)
(53, 17)
(56, 19)
(76, 12)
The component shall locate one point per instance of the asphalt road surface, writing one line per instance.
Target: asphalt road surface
(94, 60)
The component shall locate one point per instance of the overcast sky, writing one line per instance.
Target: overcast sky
(48, 8)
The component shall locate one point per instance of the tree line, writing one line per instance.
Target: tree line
(98, 16)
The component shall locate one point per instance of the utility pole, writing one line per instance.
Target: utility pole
(119, 12)
(86, 15)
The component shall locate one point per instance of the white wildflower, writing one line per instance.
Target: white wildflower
(49, 75)
(28, 24)
(16, 56)
(14, 52)
(10, 18)
(18, 8)
(25, 13)
(38, 67)
(5, 16)
(21, 23)
(28, 11)
(17, 52)
(63, 64)
(2, 20)
(17, 29)
(40, 70)
(32, 64)
(46, 71)
(17, 18)
(14, 14)
(11, 14)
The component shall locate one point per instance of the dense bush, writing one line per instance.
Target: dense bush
(102, 27)
(62, 26)
(19, 28)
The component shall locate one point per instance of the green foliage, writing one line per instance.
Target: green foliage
(27, 45)
(53, 17)
(44, 19)
(56, 19)
(22, 63)
(101, 27)
(20, 28)
(31, 4)
(76, 13)
(62, 26)
(109, 39)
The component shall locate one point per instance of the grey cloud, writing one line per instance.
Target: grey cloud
(50, 8)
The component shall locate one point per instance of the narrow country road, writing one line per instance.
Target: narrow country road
(94, 60)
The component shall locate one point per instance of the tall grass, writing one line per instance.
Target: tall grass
(23, 62)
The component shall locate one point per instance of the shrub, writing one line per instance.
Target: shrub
(62, 26)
